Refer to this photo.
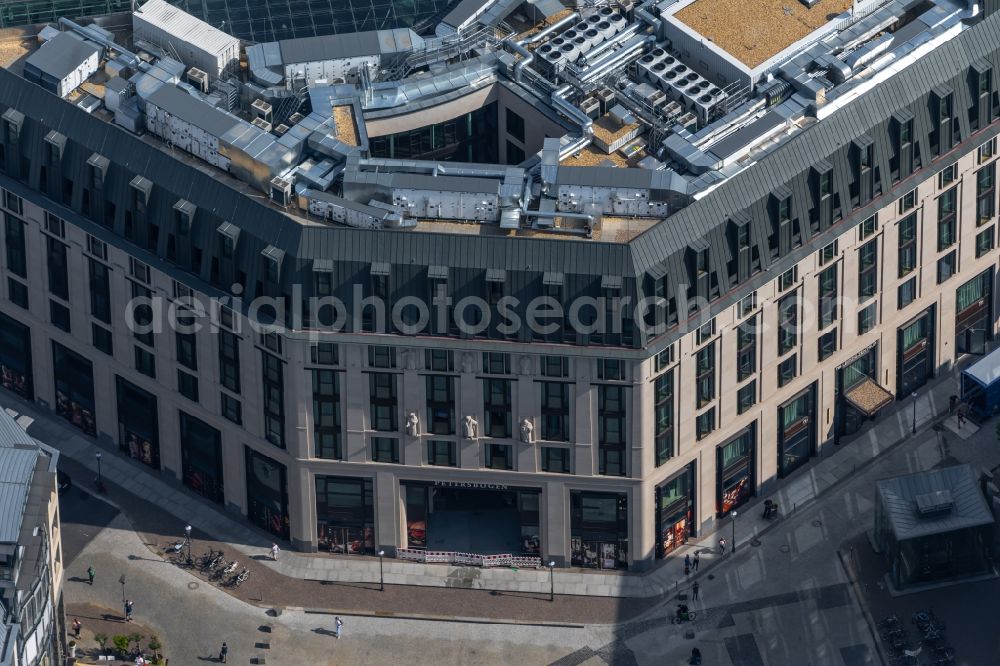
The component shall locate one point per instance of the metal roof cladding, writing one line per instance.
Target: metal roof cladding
(185, 26)
(61, 55)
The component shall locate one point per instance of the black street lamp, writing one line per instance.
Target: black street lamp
(552, 581)
(187, 530)
(122, 581)
(914, 431)
(100, 477)
(381, 572)
(734, 530)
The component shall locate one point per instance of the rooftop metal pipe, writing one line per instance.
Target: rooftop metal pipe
(95, 36)
(527, 56)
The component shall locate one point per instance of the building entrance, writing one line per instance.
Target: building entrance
(485, 519)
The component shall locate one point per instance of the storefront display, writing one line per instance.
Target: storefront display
(599, 530)
(138, 423)
(267, 493)
(859, 396)
(675, 511)
(915, 353)
(480, 518)
(74, 388)
(345, 515)
(974, 314)
(201, 458)
(735, 470)
(15, 357)
(796, 431)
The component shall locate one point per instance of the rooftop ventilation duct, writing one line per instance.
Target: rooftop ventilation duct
(934, 503)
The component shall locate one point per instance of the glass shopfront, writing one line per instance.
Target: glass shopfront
(915, 353)
(796, 431)
(15, 357)
(201, 458)
(74, 377)
(675, 511)
(138, 423)
(345, 515)
(974, 314)
(864, 366)
(599, 530)
(480, 518)
(267, 493)
(735, 470)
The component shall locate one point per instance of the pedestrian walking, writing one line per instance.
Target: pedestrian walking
(694, 591)
(90, 574)
(224, 653)
(687, 561)
(274, 551)
(722, 546)
(338, 625)
(77, 626)
(128, 610)
(696, 561)
(687, 570)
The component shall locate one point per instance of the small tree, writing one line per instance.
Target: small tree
(102, 640)
(155, 646)
(134, 639)
(121, 643)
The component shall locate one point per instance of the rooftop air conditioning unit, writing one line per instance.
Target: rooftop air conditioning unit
(262, 124)
(281, 191)
(198, 79)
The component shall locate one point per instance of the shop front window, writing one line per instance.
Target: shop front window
(267, 493)
(138, 423)
(675, 511)
(735, 469)
(74, 380)
(915, 353)
(974, 314)
(345, 515)
(15, 357)
(201, 458)
(599, 530)
(797, 432)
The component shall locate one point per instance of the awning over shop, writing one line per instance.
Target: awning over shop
(868, 397)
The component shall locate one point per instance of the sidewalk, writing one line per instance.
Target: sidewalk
(802, 489)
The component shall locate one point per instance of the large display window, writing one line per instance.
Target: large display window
(599, 530)
(345, 515)
(675, 511)
(267, 493)
(796, 431)
(138, 423)
(201, 458)
(15, 357)
(915, 353)
(974, 314)
(735, 470)
(74, 380)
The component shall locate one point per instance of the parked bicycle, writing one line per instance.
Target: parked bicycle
(241, 578)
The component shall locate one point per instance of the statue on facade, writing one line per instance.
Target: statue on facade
(412, 424)
(408, 359)
(467, 362)
(471, 427)
(525, 363)
(527, 431)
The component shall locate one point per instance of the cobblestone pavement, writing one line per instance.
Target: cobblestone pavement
(193, 618)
